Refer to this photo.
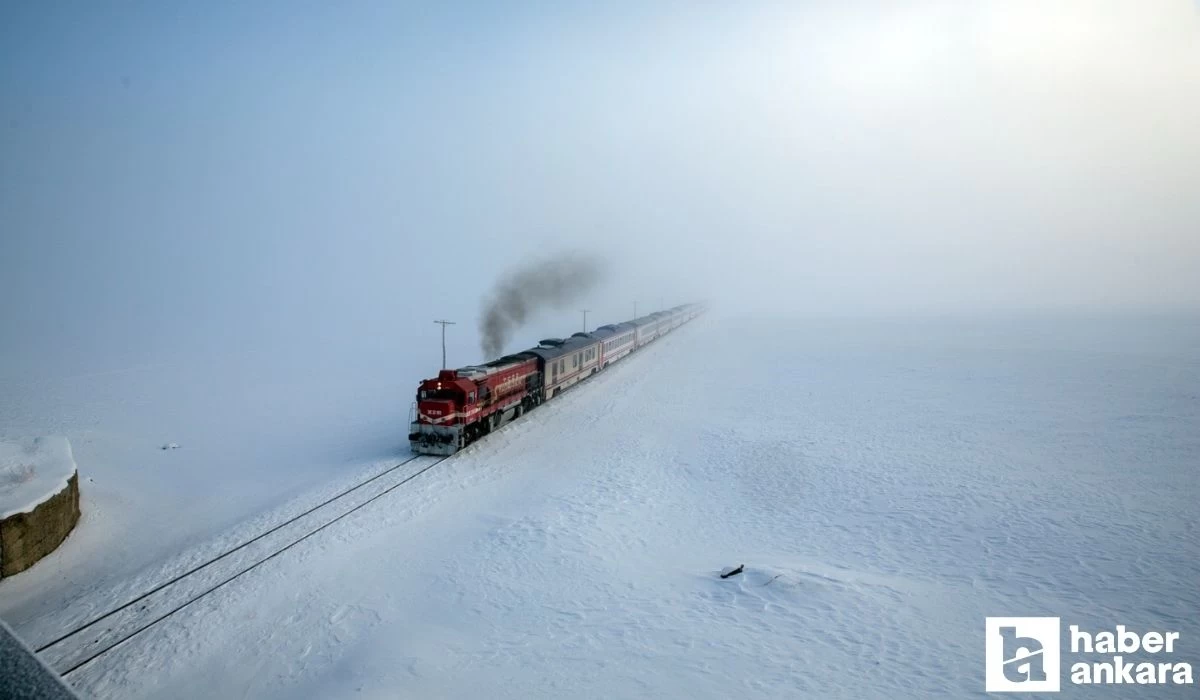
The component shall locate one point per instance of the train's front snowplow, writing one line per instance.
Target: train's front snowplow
(428, 439)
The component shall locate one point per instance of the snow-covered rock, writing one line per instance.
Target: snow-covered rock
(39, 499)
(31, 471)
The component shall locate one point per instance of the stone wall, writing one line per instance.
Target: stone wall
(27, 537)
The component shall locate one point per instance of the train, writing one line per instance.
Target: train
(459, 406)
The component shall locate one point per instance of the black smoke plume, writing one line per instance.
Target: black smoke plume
(521, 293)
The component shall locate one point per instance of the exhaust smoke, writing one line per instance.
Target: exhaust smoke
(522, 293)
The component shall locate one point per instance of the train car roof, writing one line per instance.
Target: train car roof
(616, 327)
(580, 340)
(548, 352)
(564, 347)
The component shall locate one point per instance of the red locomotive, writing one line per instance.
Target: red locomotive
(464, 404)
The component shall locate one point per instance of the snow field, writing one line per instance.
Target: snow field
(885, 490)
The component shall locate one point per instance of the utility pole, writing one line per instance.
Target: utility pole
(444, 324)
(584, 312)
(635, 309)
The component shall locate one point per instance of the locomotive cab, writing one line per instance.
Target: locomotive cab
(442, 405)
(437, 403)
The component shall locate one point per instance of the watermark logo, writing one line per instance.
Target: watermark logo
(1022, 655)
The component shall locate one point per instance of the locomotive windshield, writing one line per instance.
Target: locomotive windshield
(440, 394)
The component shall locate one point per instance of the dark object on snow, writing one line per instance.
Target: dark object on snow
(23, 676)
(733, 572)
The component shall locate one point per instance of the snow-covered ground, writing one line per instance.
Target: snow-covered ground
(887, 485)
(254, 429)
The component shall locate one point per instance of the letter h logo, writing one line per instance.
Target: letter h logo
(1021, 655)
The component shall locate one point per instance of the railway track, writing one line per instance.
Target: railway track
(89, 641)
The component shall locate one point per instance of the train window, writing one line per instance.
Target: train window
(441, 394)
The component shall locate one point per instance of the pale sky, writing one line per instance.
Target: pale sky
(228, 172)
